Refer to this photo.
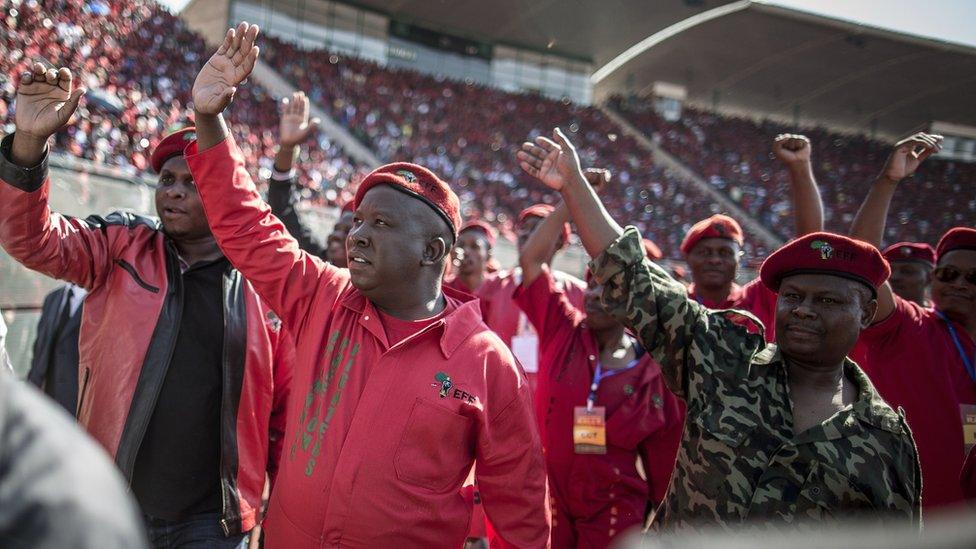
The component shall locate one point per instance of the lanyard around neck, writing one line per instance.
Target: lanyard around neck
(966, 360)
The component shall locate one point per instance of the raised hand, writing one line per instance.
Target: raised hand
(554, 161)
(792, 149)
(217, 81)
(909, 153)
(295, 127)
(45, 102)
(598, 178)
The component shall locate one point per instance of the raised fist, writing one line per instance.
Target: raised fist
(792, 149)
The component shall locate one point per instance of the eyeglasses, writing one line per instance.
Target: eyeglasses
(950, 273)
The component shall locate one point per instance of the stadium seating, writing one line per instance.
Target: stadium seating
(139, 62)
(734, 155)
(470, 133)
(466, 132)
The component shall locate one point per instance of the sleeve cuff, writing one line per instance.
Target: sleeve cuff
(622, 253)
(283, 177)
(25, 179)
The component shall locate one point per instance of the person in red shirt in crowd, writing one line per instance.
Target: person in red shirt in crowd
(713, 246)
(912, 264)
(922, 359)
(472, 256)
(588, 363)
(497, 293)
(184, 373)
(400, 387)
(294, 128)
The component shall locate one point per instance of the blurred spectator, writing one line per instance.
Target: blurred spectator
(57, 488)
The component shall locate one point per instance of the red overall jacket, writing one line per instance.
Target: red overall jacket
(129, 326)
(379, 438)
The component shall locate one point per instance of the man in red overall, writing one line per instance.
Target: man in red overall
(399, 387)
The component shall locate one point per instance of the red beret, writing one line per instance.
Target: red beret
(542, 211)
(826, 253)
(910, 251)
(485, 228)
(957, 238)
(651, 250)
(717, 226)
(420, 183)
(349, 206)
(171, 145)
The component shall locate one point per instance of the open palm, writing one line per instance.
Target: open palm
(217, 81)
(554, 162)
(45, 101)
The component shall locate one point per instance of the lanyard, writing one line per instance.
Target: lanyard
(967, 362)
(600, 375)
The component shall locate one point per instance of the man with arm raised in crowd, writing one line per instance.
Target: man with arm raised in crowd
(780, 433)
(400, 387)
(919, 358)
(183, 374)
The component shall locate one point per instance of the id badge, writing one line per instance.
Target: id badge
(590, 430)
(526, 350)
(968, 413)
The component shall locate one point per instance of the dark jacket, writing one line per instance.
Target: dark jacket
(132, 317)
(58, 489)
(282, 197)
(54, 366)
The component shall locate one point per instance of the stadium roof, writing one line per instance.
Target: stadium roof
(741, 57)
(756, 58)
(586, 30)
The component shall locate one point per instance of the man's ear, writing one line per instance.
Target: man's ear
(869, 308)
(435, 251)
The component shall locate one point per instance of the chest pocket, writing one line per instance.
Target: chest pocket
(723, 424)
(435, 450)
(827, 493)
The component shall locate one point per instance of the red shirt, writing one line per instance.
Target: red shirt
(913, 362)
(643, 417)
(753, 298)
(398, 329)
(503, 316)
(379, 437)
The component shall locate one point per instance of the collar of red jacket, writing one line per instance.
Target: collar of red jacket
(457, 325)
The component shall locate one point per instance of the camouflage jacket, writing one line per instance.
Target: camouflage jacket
(739, 458)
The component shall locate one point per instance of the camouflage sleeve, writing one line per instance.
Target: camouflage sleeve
(907, 492)
(655, 307)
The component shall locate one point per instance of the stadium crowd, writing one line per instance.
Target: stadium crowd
(731, 154)
(394, 384)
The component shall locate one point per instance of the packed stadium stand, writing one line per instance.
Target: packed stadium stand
(732, 153)
(138, 62)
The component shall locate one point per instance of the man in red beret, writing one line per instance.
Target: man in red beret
(497, 293)
(183, 371)
(591, 368)
(713, 246)
(922, 359)
(400, 387)
(911, 270)
(294, 128)
(472, 256)
(782, 433)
